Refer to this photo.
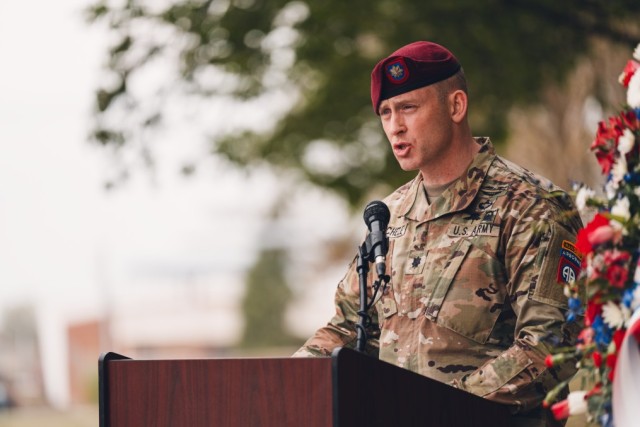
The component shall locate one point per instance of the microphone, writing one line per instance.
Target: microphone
(376, 216)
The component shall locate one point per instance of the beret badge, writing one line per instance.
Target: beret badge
(397, 71)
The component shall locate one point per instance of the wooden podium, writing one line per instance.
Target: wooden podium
(345, 390)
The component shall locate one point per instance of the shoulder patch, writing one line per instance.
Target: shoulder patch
(569, 265)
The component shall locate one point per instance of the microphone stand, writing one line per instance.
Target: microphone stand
(365, 256)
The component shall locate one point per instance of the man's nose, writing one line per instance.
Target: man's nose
(397, 124)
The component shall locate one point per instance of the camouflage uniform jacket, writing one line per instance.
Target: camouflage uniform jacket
(474, 284)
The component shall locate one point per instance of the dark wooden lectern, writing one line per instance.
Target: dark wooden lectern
(348, 389)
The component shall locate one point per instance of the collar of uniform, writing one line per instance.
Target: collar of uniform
(457, 196)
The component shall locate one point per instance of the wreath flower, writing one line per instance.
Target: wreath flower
(605, 297)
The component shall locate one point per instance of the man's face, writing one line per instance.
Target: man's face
(419, 128)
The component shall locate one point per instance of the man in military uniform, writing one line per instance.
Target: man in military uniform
(479, 249)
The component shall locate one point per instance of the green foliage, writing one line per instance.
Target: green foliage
(322, 52)
(266, 299)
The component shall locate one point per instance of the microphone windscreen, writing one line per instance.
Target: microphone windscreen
(376, 211)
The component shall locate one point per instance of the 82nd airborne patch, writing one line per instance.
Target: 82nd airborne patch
(569, 264)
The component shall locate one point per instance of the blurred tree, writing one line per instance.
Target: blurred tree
(553, 137)
(265, 302)
(305, 65)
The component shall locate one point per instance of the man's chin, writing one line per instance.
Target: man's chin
(407, 167)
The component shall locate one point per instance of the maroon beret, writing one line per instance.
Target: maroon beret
(411, 67)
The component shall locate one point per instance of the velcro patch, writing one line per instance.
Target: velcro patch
(468, 230)
(415, 262)
(396, 232)
(569, 265)
(570, 247)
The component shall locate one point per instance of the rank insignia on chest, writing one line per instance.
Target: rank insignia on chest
(415, 262)
(569, 265)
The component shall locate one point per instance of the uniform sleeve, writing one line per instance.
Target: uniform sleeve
(341, 329)
(538, 258)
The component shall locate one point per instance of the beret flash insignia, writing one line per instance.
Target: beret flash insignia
(397, 71)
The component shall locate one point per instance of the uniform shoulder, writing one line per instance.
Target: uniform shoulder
(399, 196)
(527, 188)
(509, 170)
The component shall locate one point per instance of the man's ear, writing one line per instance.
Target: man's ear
(458, 105)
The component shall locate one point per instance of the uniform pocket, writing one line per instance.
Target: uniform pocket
(386, 308)
(559, 263)
(444, 280)
(468, 297)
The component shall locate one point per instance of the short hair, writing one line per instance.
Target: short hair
(458, 81)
